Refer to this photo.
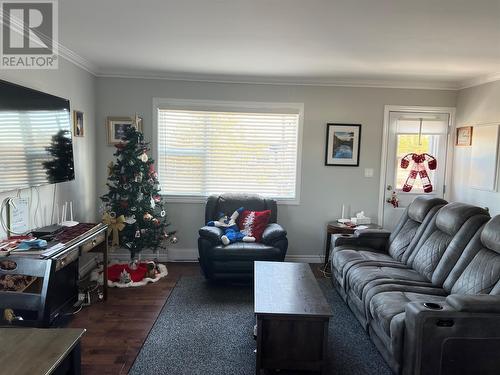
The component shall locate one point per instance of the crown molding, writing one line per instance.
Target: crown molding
(296, 81)
(481, 80)
(78, 60)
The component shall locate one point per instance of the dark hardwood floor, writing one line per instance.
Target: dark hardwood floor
(117, 328)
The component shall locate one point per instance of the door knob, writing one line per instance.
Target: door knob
(389, 187)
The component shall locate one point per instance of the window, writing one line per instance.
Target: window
(214, 147)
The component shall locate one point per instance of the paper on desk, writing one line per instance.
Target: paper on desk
(361, 227)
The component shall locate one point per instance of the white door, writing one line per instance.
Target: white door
(417, 144)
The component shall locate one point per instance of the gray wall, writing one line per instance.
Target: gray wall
(324, 189)
(79, 87)
(475, 105)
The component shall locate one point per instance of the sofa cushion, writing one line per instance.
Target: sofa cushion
(387, 309)
(359, 277)
(454, 215)
(347, 256)
(481, 274)
(421, 206)
(490, 236)
(244, 251)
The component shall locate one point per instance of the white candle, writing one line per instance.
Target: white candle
(343, 211)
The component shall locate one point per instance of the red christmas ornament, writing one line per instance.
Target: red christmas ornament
(418, 168)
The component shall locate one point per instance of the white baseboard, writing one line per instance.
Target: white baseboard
(178, 255)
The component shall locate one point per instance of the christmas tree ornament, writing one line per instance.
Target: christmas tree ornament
(162, 213)
(131, 162)
(130, 220)
(137, 234)
(147, 216)
(152, 203)
(174, 240)
(418, 169)
(155, 221)
(143, 157)
(111, 166)
(133, 208)
(115, 225)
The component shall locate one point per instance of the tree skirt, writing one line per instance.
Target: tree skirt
(137, 276)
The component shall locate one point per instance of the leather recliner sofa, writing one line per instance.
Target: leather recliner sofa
(235, 261)
(430, 300)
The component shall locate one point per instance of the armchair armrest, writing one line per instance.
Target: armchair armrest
(213, 234)
(481, 303)
(373, 238)
(272, 233)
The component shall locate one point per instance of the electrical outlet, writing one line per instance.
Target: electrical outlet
(368, 172)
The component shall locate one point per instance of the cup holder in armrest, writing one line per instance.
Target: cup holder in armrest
(433, 306)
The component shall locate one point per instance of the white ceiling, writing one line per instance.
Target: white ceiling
(434, 43)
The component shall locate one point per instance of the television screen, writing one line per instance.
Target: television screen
(35, 138)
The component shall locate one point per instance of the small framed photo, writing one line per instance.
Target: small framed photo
(343, 144)
(464, 136)
(117, 126)
(78, 125)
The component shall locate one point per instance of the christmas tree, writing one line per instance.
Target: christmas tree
(134, 209)
(60, 167)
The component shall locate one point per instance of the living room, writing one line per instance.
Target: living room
(368, 132)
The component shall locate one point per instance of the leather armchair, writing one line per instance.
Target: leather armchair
(235, 261)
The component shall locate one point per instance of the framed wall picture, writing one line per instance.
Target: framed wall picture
(117, 126)
(343, 144)
(78, 125)
(464, 136)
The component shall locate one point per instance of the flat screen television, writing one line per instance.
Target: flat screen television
(35, 138)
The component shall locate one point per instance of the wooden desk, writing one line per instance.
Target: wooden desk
(55, 288)
(292, 318)
(335, 227)
(31, 351)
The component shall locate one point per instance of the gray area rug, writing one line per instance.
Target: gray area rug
(207, 329)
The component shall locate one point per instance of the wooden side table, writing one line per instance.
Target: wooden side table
(335, 227)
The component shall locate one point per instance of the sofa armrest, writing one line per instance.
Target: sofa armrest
(372, 233)
(373, 238)
(213, 234)
(272, 233)
(480, 303)
(436, 337)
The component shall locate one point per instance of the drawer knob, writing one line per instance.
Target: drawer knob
(94, 241)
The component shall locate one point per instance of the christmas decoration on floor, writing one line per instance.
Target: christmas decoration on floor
(418, 168)
(126, 275)
(134, 208)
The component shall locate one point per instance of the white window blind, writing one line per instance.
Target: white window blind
(204, 152)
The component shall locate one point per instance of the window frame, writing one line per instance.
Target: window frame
(231, 106)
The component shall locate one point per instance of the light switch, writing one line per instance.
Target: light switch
(368, 172)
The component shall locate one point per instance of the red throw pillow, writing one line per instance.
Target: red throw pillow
(253, 223)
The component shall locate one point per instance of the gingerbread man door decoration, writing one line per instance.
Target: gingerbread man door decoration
(418, 168)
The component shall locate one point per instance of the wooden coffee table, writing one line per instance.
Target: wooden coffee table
(292, 318)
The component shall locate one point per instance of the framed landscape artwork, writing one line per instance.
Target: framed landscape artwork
(342, 144)
(117, 126)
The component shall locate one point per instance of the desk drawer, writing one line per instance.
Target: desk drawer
(92, 242)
